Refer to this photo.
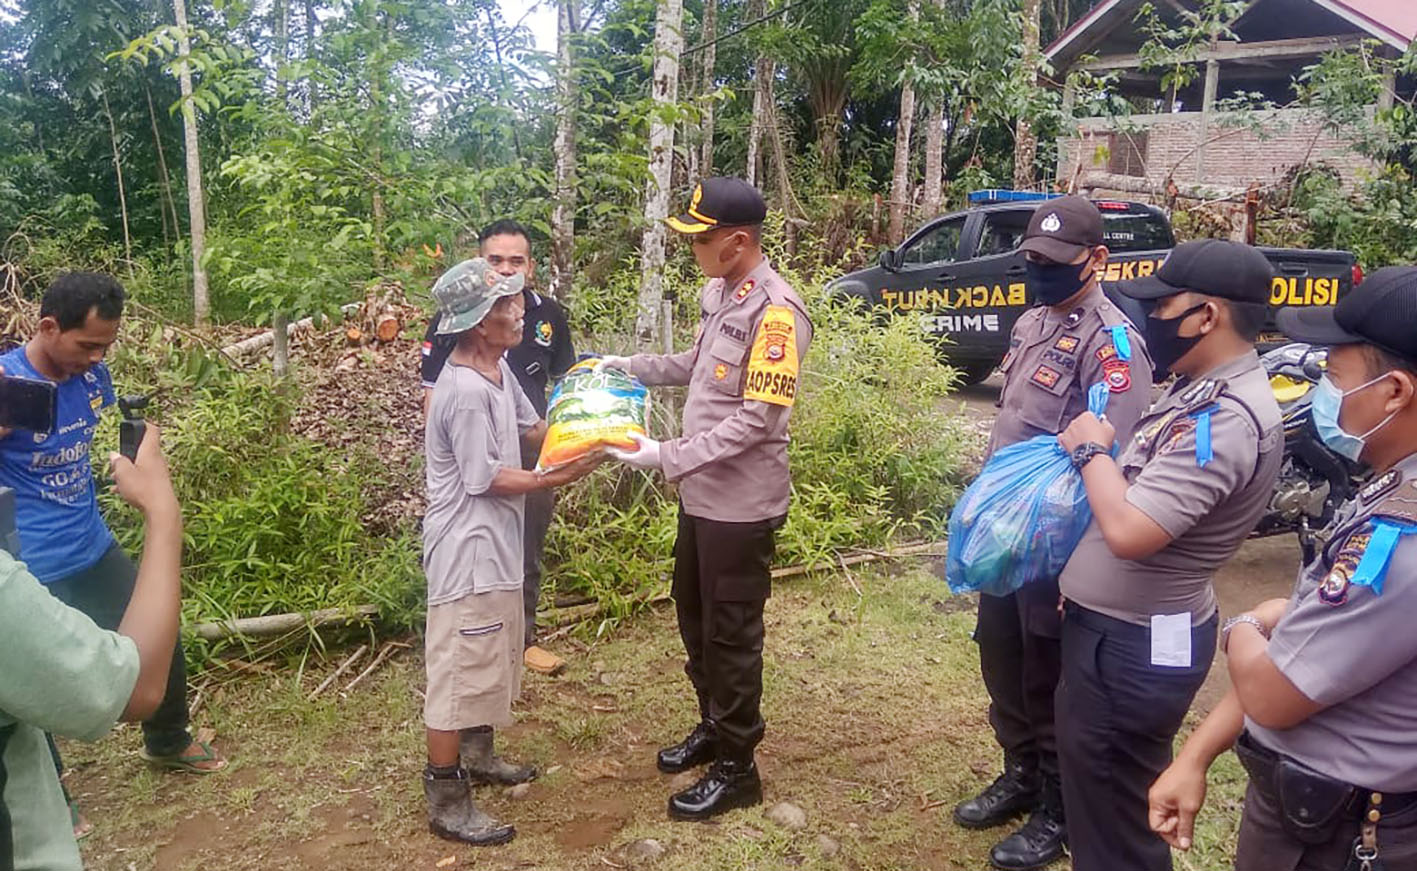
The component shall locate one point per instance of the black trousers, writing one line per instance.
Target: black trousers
(1020, 656)
(721, 582)
(102, 592)
(539, 506)
(1117, 718)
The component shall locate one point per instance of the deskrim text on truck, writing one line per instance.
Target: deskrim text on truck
(962, 278)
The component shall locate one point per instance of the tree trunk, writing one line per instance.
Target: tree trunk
(201, 304)
(709, 60)
(784, 183)
(1025, 139)
(934, 160)
(162, 169)
(118, 171)
(668, 43)
(312, 94)
(900, 179)
(563, 215)
(281, 26)
(280, 345)
(762, 84)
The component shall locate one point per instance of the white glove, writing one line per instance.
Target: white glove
(612, 362)
(644, 456)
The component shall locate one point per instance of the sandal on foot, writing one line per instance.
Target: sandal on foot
(82, 827)
(187, 761)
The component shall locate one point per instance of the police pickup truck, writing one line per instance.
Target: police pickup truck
(961, 276)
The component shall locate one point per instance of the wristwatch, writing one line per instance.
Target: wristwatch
(1083, 454)
(1236, 621)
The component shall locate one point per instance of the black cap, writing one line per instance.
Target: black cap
(721, 202)
(1063, 229)
(1214, 267)
(1381, 311)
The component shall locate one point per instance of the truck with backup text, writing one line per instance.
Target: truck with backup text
(962, 278)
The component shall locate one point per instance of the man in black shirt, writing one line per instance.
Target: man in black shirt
(545, 353)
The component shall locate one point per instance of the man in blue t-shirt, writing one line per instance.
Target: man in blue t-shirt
(63, 538)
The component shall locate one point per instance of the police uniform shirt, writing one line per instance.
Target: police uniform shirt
(1346, 641)
(545, 352)
(742, 373)
(1055, 357)
(1207, 500)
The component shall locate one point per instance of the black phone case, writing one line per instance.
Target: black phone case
(28, 404)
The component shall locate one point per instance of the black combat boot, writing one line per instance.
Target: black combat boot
(701, 746)
(452, 813)
(485, 767)
(1039, 842)
(1014, 792)
(728, 784)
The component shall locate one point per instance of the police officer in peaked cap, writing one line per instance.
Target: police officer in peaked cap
(1140, 619)
(731, 466)
(1323, 710)
(1072, 338)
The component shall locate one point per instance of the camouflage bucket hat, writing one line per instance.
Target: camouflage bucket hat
(466, 292)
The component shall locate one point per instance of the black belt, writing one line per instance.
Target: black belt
(1307, 797)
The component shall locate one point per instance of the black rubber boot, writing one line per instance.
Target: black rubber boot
(452, 813)
(485, 767)
(728, 784)
(700, 747)
(1014, 792)
(1040, 841)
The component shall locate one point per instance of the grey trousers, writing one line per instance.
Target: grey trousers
(539, 506)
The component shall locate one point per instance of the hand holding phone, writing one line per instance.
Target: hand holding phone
(27, 403)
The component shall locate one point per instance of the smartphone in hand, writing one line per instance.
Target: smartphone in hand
(26, 403)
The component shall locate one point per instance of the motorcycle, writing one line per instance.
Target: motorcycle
(1314, 480)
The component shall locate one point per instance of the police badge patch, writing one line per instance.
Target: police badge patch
(1067, 344)
(1333, 590)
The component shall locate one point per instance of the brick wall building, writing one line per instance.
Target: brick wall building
(1238, 151)
(1185, 138)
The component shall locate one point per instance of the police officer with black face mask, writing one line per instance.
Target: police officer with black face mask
(1323, 710)
(1140, 619)
(1071, 339)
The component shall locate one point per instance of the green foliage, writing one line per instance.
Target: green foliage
(1175, 40)
(272, 520)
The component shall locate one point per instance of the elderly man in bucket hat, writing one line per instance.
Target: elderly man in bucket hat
(472, 547)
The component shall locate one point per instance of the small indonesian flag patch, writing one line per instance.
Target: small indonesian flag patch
(773, 366)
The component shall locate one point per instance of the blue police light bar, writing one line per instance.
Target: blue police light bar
(1001, 195)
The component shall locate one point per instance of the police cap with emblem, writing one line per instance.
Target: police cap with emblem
(1214, 267)
(1063, 229)
(721, 202)
(1381, 311)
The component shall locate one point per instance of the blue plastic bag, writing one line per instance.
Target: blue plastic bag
(1022, 517)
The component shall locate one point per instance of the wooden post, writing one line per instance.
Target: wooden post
(1212, 85)
(1388, 92)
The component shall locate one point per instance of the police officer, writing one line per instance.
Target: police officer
(545, 353)
(731, 466)
(1323, 710)
(1139, 623)
(1072, 339)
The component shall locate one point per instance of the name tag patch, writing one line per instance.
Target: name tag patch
(1046, 376)
(1067, 344)
(773, 367)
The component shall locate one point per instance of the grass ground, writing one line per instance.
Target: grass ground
(876, 726)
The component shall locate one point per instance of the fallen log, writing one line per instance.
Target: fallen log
(275, 624)
(263, 340)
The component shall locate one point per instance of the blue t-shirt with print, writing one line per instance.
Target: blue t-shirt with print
(56, 504)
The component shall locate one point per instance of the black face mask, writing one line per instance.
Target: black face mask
(1164, 341)
(1052, 283)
